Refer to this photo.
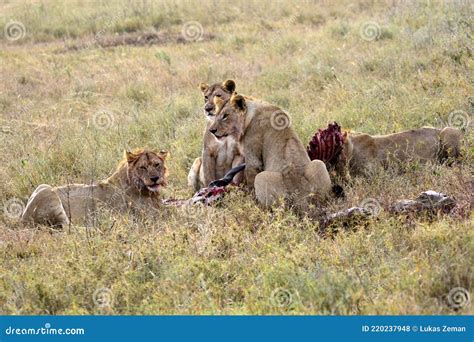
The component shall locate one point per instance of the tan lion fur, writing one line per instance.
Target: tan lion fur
(277, 164)
(364, 152)
(135, 184)
(219, 155)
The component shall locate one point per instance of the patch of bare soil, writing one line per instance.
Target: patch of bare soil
(135, 39)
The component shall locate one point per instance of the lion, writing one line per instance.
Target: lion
(219, 155)
(363, 152)
(277, 164)
(135, 184)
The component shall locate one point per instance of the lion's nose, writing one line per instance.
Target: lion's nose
(213, 130)
(154, 179)
(208, 107)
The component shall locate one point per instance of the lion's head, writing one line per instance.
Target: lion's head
(221, 91)
(230, 117)
(146, 169)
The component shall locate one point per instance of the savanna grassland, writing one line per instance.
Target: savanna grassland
(81, 82)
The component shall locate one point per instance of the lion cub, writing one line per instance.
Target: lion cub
(365, 152)
(277, 164)
(135, 184)
(219, 154)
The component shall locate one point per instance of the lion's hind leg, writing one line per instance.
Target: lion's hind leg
(450, 145)
(318, 177)
(45, 207)
(269, 188)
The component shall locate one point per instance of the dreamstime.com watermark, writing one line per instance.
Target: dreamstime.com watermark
(108, 24)
(282, 297)
(371, 205)
(13, 208)
(46, 330)
(195, 211)
(370, 31)
(103, 298)
(459, 119)
(103, 119)
(275, 35)
(459, 297)
(280, 120)
(192, 31)
(14, 30)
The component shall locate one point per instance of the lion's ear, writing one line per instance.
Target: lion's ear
(203, 87)
(163, 154)
(130, 157)
(238, 101)
(229, 85)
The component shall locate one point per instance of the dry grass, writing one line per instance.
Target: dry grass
(66, 116)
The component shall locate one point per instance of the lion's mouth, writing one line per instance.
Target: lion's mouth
(154, 187)
(220, 136)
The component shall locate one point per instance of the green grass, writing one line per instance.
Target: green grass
(311, 60)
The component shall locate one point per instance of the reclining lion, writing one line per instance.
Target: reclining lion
(277, 164)
(362, 153)
(218, 155)
(135, 184)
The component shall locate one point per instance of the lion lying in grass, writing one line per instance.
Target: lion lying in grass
(135, 184)
(362, 153)
(277, 165)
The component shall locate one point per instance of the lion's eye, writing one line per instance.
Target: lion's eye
(206, 98)
(225, 116)
(157, 165)
(218, 95)
(143, 168)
